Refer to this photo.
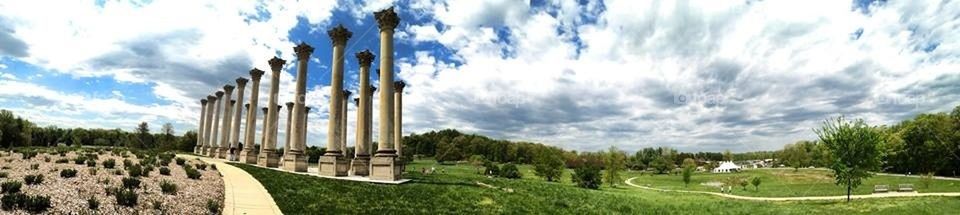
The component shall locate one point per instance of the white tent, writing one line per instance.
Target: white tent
(726, 166)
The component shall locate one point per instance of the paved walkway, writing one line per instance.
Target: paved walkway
(802, 198)
(243, 194)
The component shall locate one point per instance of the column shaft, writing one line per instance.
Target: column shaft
(215, 137)
(385, 144)
(248, 153)
(203, 112)
(227, 119)
(238, 110)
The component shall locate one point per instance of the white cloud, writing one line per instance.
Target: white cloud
(760, 74)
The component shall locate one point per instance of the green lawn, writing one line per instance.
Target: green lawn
(789, 183)
(456, 192)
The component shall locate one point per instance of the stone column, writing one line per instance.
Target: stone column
(384, 165)
(361, 159)
(263, 132)
(268, 149)
(333, 163)
(207, 124)
(249, 155)
(214, 138)
(203, 114)
(306, 114)
(235, 134)
(227, 120)
(343, 122)
(296, 159)
(398, 116)
(286, 143)
(369, 116)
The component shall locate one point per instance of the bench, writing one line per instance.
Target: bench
(881, 188)
(905, 188)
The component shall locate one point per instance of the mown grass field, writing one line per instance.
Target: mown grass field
(789, 183)
(455, 191)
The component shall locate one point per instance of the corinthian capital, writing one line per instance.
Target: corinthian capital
(365, 58)
(387, 19)
(303, 51)
(276, 64)
(256, 74)
(339, 35)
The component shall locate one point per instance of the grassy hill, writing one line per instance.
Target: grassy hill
(456, 191)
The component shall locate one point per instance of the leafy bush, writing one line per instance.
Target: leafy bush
(62, 160)
(33, 204)
(93, 203)
(35, 166)
(118, 172)
(28, 155)
(146, 171)
(79, 160)
(131, 183)
(181, 161)
(126, 197)
(68, 173)
(109, 163)
(4, 174)
(213, 206)
(37, 204)
(213, 167)
(587, 176)
(510, 171)
(127, 163)
(168, 188)
(201, 166)
(46, 159)
(12, 201)
(491, 169)
(10, 187)
(192, 173)
(91, 163)
(92, 171)
(134, 171)
(33, 179)
(164, 171)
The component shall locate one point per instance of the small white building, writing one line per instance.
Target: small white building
(726, 166)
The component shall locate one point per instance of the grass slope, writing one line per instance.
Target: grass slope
(456, 192)
(790, 183)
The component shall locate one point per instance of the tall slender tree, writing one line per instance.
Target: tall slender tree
(855, 149)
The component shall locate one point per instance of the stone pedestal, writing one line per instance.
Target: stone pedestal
(268, 158)
(387, 168)
(295, 160)
(248, 156)
(361, 166)
(212, 151)
(334, 165)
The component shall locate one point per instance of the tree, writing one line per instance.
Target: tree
(549, 165)
(687, 173)
(510, 171)
(447, 151)
(587, 176)
(614, 163)
(689, 163)
(143, 135)
(795, 155)
(855, 148)
(756, 182)
(727, 155)
(659, 165)
(476, 161)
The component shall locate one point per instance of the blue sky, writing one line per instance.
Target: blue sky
(584, 75)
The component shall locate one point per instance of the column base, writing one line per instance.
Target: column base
(212, 152)
(295, 161)
(385, 168)
(248, 156)
(196, 150)
(268, 158)
(361, 165)
(331, 165)
(222, 152)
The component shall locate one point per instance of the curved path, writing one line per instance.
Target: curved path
(242, 193)
(802, 198)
